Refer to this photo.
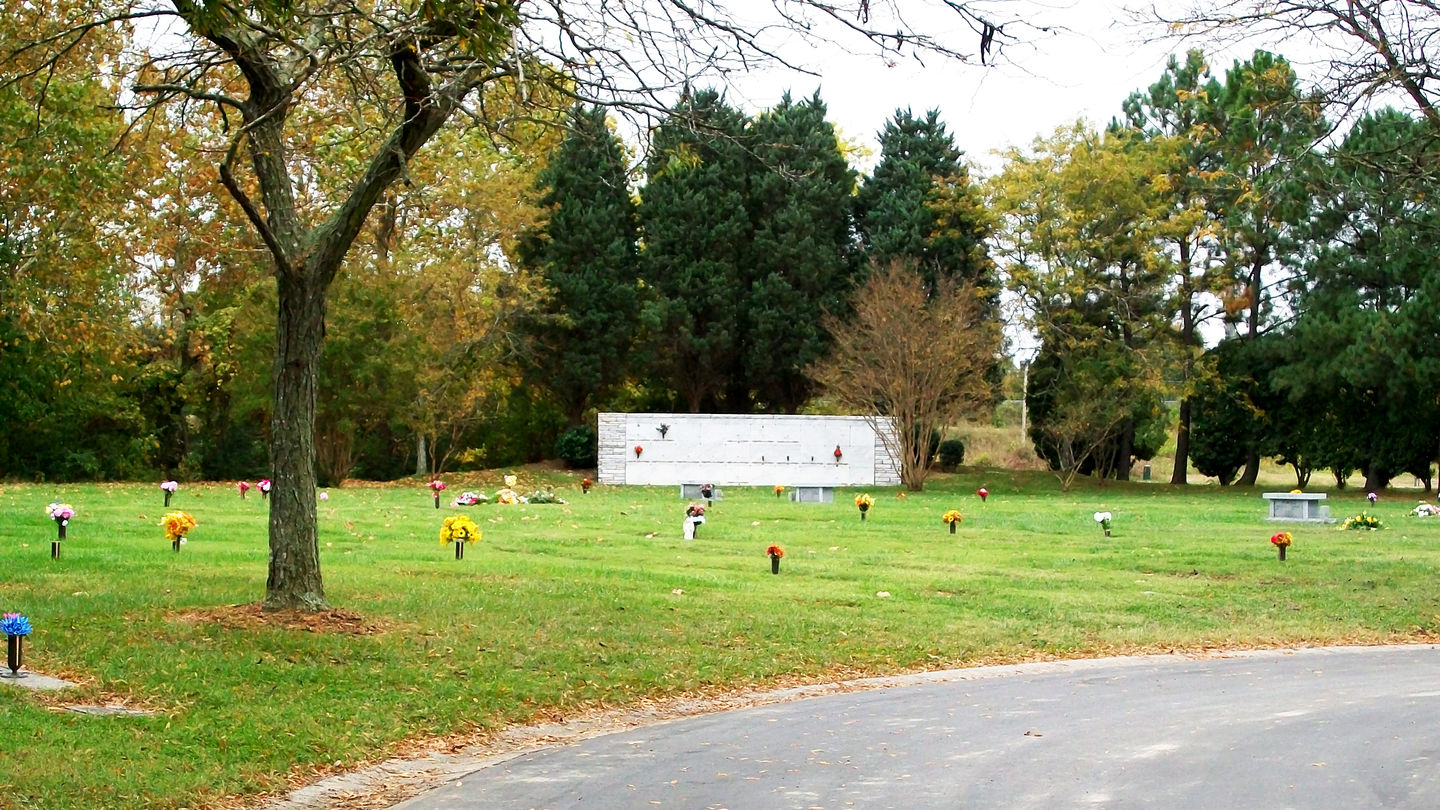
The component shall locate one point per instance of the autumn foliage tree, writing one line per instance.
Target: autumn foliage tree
(911, 358)
(405, 71)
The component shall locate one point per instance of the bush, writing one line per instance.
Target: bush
(952, 454)
(578, 447)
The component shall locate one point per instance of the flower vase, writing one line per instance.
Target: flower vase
(176, 544)
(774, 563)
(952, 528)
(15, 654)
(61, 524)
(459, 549)
(167, 499)
(1282, 553)
(863, 510)
(437, 500)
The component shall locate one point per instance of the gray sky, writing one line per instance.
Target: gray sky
(1084, 68)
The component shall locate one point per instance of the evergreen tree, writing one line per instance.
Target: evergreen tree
(1265, 127)
(804, 257)
(920, 206)
(698, 234)
(587, 254)
(1364, 341)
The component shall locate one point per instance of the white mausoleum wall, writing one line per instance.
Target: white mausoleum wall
(742, 450)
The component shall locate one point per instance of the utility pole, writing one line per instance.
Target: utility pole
(1024, 395)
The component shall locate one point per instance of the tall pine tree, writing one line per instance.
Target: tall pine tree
(920, 206)
(804, 256)
(694, 212)
(587, 253)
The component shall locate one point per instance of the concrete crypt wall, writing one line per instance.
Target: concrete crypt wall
(742, 450)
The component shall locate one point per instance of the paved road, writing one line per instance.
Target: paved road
(1315, 729)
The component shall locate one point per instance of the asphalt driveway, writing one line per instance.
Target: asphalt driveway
(1316, 729)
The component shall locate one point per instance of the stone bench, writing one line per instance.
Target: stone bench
(1297, 507)
(692, 491)
(812, 495)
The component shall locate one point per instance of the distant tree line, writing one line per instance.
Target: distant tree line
(512, 287)
(1229, 202)
(481, 318)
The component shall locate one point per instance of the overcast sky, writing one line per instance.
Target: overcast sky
(1084, 68)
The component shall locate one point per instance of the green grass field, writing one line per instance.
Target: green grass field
(562, 609)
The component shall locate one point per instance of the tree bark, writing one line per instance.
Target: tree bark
(294, 581)
(1252, 469)
(1377, 478)
(1180, 475)
(1124, 449)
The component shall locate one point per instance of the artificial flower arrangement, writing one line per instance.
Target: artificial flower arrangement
(953, 518)
(507, 493)
(436, 487)
(263, 486)
(1372, 498)
(244, 487)
(459, 529)
(694, 519)
(1104, 518)
(14, 624)
(983, 493)
(543, 496)
(177, 527)
(1364, 520)
(585, 485)
(1425, 510)
(169, 488)
(779, 490)
(774, 553)
(61, 514)
(471, 499)
(15, 627)
(1282, 541)
(324, 496)
(863, 502)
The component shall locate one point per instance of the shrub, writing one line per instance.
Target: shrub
(578, 447)
(952, 454)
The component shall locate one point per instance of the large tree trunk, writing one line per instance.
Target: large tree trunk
(1252, 469)
(1125, 448)
(1377, 478)
(1180, 475)
(294, 580)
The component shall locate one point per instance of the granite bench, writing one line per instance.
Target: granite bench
(1297, 507)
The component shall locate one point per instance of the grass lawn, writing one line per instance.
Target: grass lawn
(599, 602)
